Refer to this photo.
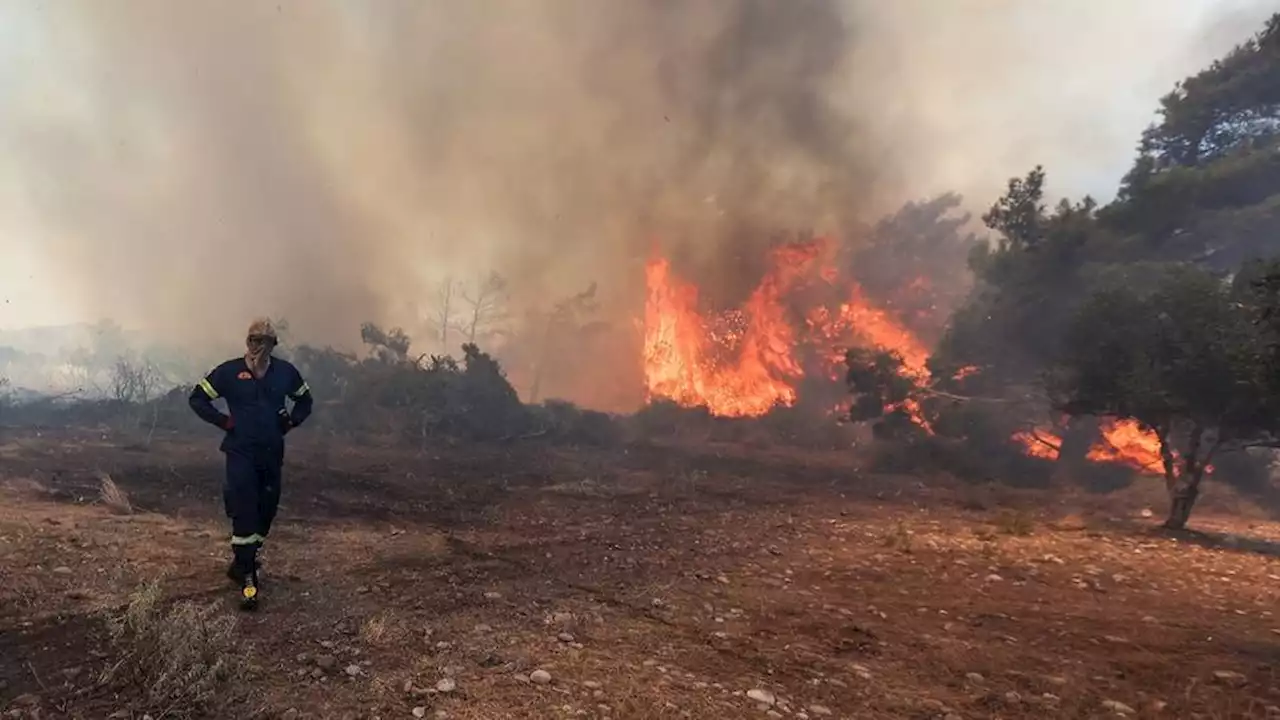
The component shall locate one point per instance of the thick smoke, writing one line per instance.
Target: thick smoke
(183, 166)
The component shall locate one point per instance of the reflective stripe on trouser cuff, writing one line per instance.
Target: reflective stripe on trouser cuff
(207, 387)
(254, 539)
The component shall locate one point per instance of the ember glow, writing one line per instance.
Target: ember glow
(745, 361)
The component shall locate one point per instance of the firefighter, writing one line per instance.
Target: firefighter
(255, 387)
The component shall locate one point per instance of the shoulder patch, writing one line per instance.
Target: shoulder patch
(244, 375)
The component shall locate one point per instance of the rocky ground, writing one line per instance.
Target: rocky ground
(524, 582)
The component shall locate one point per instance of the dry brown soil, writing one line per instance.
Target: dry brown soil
(660, 582)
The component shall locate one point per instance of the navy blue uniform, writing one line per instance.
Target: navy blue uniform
(253, 442)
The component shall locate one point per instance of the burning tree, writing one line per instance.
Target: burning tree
(885, 391)
(1187, 357)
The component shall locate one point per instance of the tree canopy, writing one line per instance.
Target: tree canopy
(1161, 307)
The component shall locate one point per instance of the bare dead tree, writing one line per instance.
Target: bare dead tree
(486, 307)
(446, 309)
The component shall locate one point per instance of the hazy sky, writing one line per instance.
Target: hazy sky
(157, 152)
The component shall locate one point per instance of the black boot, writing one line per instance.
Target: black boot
(244, 570)
(236, 575)
(249, 592)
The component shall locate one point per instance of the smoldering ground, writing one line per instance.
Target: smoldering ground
(183, 166)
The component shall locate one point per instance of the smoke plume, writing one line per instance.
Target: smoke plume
(183, 167)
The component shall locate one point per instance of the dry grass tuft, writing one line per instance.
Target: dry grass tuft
(182, 656)
(384, 628)
(1015, 522)
(112, 496)
(899, 538)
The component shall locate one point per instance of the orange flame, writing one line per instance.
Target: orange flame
(1040, 442)
(684, 353)
(744, 362)
(876, 327)
(1125, 442)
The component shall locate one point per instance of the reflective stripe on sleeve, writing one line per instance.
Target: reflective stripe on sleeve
(301, 391)
(207, 387)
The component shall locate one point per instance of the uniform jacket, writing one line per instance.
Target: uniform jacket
(257, 418)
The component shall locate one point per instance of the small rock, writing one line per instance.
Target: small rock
(540, 677)
(1146, 513)
(353, 670)
(1149, 620)
(592, 685)
(328, 644)
(1227, 677)
(493, 595)
(326, 662)
(974, 677)
(317, 673)
(763, 697)
(820, 710)
(722, 579)
(62, 570)
(290, 714)
(27, 700)
(1013, 697)
(420, 712)
(482, 628)
(565, 637)
(1117, 707)
(446, 685)
(993, 578)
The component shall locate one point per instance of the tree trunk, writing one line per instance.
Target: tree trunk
(1184, 486)
(1080, 435)
(1182, 498)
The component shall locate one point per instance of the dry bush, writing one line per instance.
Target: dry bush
(112, 496)
(1015, 522)
(183, 657)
